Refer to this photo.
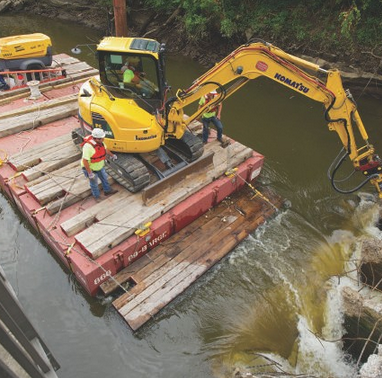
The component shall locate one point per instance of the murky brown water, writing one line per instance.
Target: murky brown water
(269, 296)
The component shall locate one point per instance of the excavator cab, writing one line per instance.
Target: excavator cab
(133, 68)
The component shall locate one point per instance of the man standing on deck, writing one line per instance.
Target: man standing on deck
(213, 116)
(93, 162)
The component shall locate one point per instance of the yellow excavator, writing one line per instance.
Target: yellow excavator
(130, 102)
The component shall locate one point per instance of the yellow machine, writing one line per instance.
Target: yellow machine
(139, 119)
(25, 52)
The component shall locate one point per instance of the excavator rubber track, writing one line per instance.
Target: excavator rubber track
(127, 170)
(189, 146)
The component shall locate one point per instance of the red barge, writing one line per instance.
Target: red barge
(193, 224)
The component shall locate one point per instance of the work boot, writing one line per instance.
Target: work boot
(223, 142)
(110, 192)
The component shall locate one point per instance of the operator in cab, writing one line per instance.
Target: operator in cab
(133, 77)
(94, 154)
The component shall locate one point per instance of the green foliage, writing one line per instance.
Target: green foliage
(104, 3)
(321, 23)
(349, 20)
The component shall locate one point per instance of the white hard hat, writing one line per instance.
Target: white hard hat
(98, 133)
(214, 92)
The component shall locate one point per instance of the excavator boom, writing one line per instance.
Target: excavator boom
(260, 59)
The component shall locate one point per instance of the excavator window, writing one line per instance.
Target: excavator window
(129, 75)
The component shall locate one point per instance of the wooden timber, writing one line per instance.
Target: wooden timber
(169, 269)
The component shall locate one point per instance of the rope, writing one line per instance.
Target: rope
(71, 247)
(5, 158)
(257, 193)
(58, 214)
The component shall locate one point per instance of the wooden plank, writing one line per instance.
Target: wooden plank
(51, 153)
(78, 192)
(63, 59)
(35, 107)
(175, 245)
(145, 265)
(95, 213)
(69, 199)
(78, 67)
(72, 185)
(30, 121)
(140, 315)
(143, 301)
(59, 176)
(67, 170)
(116, 227)
(25, 157)
(80, 75)
(161, 277)
(68, 155)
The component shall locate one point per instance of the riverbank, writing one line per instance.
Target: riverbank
(359, 71)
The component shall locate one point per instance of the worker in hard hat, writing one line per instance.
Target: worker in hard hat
(212, 115)
(94, 153)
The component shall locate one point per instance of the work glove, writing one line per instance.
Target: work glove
(113, 157)
(91, 175)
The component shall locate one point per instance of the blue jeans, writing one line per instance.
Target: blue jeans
(217, 123)
(102, 175)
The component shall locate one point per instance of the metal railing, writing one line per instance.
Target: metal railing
(19, 338)
(19, 79)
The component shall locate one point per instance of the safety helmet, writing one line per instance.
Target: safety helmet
(98, 133)
(211, 94)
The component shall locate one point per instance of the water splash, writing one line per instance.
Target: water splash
(294, 312)
(320, 357)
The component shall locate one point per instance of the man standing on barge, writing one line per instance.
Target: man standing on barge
(93, 162)
(211, 116)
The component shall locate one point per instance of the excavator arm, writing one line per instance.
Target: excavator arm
(260, 59)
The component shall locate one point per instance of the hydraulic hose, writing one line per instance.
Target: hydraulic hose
(333, 181)
(185, 94)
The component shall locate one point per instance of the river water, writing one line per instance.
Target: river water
(274, 293)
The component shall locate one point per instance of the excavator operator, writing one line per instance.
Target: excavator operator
(135, 79)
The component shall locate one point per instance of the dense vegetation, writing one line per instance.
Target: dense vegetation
(339, 27)
(350, 22)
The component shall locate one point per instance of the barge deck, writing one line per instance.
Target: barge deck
(158, 243)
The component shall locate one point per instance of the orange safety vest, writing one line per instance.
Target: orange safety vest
(100, 150)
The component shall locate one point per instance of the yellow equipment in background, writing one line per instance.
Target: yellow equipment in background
(25, 52)
(24, 46)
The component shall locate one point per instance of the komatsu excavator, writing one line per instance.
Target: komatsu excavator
(129, 101)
